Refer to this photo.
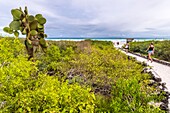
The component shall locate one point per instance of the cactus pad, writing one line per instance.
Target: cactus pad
(16, 13)
(15, 25)
(29, 25)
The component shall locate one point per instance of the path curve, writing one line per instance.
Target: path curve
(162, 70)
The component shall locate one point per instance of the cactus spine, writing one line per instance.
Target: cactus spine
(31, 26)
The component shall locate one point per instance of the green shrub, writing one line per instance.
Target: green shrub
(81, 77)
(24, 90)
(161, 48)
(47, 94)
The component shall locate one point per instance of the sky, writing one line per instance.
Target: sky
(96, 18)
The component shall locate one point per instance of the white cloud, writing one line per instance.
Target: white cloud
(97, 17)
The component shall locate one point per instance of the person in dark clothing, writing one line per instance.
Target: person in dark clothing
(127, 47)
(150, 51)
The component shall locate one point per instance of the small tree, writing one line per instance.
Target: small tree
(31, 26)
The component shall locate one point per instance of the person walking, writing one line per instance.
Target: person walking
(150, 51)
(127, 47)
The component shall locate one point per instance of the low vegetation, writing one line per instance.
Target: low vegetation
(76, 77)
(162, 48)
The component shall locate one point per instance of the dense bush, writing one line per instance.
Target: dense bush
(162, 48)
(22, 89)
(87, 76)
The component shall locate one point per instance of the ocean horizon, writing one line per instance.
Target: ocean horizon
(113, 39)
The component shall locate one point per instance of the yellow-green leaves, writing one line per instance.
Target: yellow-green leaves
(77, 77)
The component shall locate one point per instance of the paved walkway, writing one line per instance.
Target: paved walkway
(162, 70)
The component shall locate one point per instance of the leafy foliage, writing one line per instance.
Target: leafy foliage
(87, 76)
(161, 48)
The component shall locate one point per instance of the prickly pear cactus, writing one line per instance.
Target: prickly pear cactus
(31, 26)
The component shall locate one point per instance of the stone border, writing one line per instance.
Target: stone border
(156, 79)
(154, 59)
